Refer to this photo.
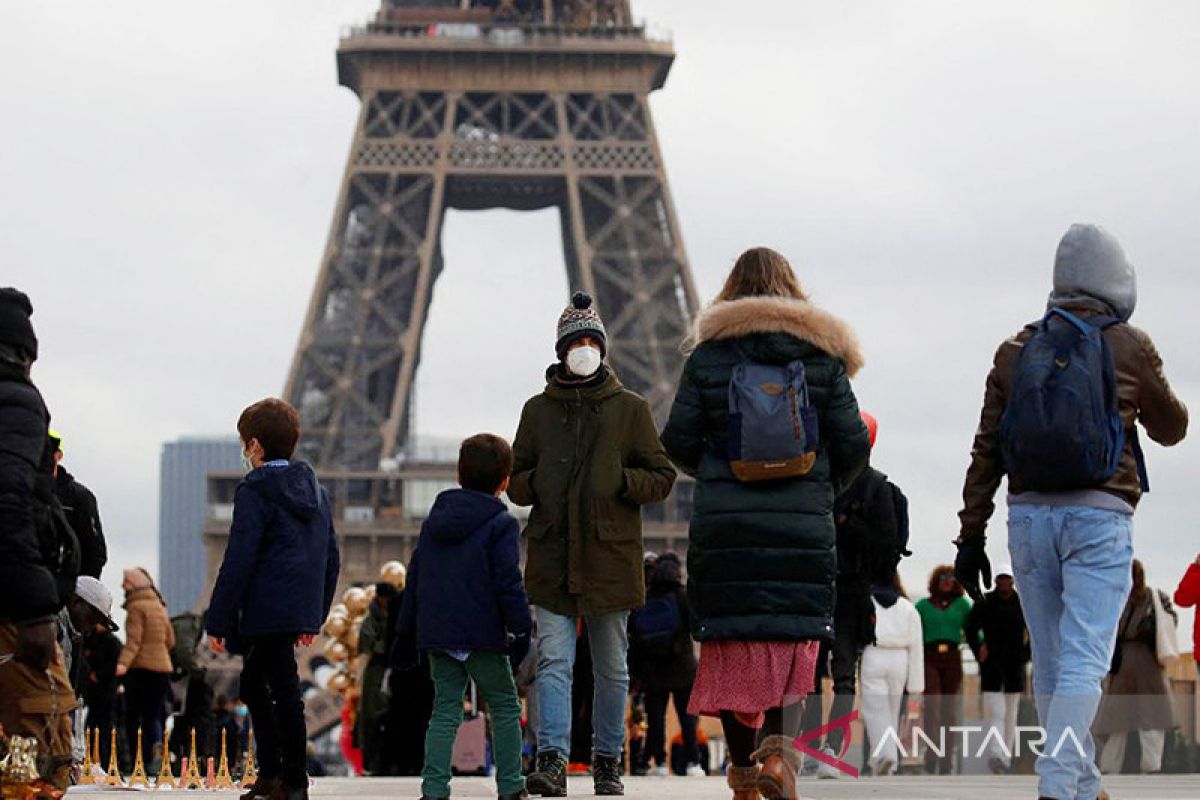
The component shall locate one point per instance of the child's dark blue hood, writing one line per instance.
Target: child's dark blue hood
(458, 513)
(294, 487)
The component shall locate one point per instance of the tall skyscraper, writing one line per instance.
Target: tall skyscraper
(182, 499)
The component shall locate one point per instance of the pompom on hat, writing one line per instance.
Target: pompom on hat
(580, 319)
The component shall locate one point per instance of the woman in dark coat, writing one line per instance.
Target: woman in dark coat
(761, 559)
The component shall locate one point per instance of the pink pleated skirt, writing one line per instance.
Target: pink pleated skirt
(750, 678)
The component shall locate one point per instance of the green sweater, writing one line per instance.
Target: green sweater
(943, 624)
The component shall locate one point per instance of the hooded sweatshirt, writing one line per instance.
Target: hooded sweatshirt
(464, 588)
(281, 562)
(1091, 265)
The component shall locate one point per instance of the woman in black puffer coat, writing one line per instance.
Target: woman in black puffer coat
(761, 558)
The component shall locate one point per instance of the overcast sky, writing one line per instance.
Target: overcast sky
(169, 169)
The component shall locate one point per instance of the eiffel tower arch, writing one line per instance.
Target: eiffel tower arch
(520, 104)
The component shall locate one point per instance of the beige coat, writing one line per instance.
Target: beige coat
(149, 636)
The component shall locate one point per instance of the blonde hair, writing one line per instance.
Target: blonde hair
(758, 272)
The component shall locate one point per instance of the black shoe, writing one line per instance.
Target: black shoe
(260, 789)
(606, 775)
(284, 792)
(521, 795)
(550, 777)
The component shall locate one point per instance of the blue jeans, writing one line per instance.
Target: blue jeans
(1072, 568)
(556, 663)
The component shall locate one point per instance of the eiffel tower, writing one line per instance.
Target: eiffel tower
(475, 104)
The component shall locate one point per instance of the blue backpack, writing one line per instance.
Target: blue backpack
(654, 625)
(1062, 428)
(773, 431)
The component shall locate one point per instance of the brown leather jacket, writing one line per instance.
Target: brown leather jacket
(1144, 396)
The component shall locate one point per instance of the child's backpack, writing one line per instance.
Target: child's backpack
(773, 429)
(653, 627)
(1062, 429)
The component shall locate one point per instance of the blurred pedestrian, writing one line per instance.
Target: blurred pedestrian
(997, 636)
(761, 559)
(588, 458)
(943, 619)
(145, 663)
(1137, 697)
(79, 504)
(373, 710)
(891, 667)
(91, 613)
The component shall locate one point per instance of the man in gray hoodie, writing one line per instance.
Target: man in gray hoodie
(1071, 549)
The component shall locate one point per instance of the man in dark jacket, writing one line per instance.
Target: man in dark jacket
(95, 667)
(466, 607)
(79, 504)
(1071, 550)
(588, 458)
(274, 589)
(373, 642)
(997, 635)
(39, 557)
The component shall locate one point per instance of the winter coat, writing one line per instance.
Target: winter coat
(149, 636)
(79, 504)
(101, 650)
(373, 643)
(34, 584)
(464, 587)
(587, 459)
(1143, 395)
(761, 558)
(999, 623)
(1188, 595)
(281, 562)
(898, 627)
(675, 667)
(1137, 696)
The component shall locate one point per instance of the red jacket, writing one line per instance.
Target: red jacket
(1188, 595)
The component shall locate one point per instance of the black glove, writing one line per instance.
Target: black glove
(36, 642)
(518, 648)
(971, 565)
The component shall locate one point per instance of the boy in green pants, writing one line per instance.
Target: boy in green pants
(466, 607)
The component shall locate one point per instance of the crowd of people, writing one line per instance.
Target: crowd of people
(791, 573)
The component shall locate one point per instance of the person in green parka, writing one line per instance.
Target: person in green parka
(587, 458)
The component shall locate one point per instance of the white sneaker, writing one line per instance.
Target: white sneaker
(696, 771)
(659, 771)
(824, 770)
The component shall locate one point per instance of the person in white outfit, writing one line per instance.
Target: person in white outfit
(891, 666)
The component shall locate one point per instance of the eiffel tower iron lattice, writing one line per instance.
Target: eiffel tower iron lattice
(521, 104)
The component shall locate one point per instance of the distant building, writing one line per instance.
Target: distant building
(182, 511)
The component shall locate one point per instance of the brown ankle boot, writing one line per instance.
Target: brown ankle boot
(780, 764)
(744, 782)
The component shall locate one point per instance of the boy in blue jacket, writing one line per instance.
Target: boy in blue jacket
(466, 606)
(274, 590)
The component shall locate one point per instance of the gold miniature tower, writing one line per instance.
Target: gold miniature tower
(139, 777)
(250, 771)
(86, 778)
(114, 771)
(191, 778)
(224, 779)
(165, 776)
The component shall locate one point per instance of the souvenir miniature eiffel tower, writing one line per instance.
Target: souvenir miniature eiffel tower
(114, 771)
(190, 777)
(86, 778)
(224, 780)
(139, 777)
(165, 776)
(250, 770)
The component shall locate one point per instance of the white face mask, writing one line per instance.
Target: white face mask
(247, 464)
(584, 361)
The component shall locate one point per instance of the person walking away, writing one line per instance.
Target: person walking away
(997, 636)
(588, 458)
(79, 504)
(661, 644)
(943, 620)
(466, 608)
(1187, 595)
(373, 709)
(1138, 694)
(410, 700)
(1066, 438)
(145, 663)
(274, 590)
(872, 535)
(39, 555)
(91, 614)
(892, 666)
(767, 371)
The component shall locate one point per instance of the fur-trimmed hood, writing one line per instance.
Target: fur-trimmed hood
(730, 319)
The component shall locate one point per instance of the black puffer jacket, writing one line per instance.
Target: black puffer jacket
(79, 504)
(761, 561)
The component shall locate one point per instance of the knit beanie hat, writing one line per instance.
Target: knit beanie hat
(580, 319)
(15, 327)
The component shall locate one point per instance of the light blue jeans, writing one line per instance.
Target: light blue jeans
(609, 641)
(1072, 568)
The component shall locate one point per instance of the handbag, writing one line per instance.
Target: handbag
(1166, 640)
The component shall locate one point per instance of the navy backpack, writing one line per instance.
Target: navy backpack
(773, 430)
(654, 625)
(1062, 428)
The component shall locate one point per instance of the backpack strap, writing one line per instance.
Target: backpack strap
(1140, 457)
